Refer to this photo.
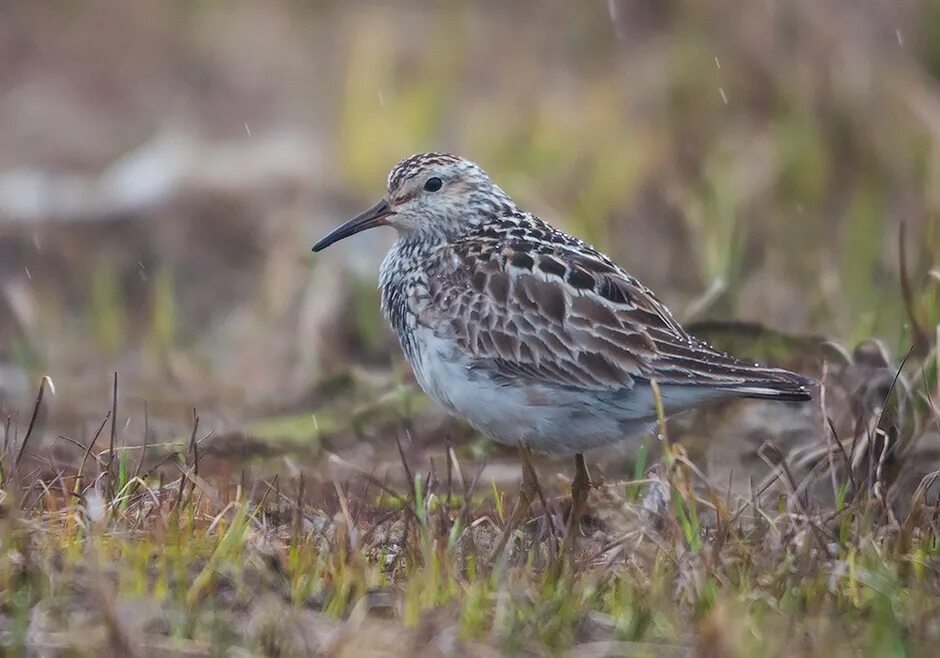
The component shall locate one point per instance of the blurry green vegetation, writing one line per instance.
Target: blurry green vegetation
(714, 219)
(367, 322)
(107, 317)
(415, 97)
(163, 329)
(303, 429)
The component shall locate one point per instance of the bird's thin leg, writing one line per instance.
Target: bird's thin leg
(579, 493)
(527, 492)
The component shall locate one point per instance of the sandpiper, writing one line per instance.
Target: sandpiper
(533, 336)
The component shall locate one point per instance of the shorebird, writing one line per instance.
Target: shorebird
(533, 336)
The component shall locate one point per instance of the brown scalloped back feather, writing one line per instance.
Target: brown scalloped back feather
(528, 302)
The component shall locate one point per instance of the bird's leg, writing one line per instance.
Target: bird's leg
(579, 493)
(527, 493)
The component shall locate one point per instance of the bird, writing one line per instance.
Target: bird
(532, 335)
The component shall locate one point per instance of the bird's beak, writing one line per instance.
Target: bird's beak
(374, 216)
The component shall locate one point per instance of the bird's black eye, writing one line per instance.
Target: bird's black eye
(433, 184)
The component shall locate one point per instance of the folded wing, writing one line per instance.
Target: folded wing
(565, 315)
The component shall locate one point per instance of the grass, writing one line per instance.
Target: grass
(668, 563)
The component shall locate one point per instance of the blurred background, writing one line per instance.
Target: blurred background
(166, 166)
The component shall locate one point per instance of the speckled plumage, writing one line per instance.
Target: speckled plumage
(530, 334)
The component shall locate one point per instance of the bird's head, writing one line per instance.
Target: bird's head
(430, 196)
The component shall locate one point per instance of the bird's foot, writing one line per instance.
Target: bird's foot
(580, 486)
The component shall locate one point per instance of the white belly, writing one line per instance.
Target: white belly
(546, 418)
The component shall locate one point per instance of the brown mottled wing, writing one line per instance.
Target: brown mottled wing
(567, 316)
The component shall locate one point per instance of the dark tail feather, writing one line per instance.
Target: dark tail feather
(780, 385)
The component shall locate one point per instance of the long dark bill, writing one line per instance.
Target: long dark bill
(374, 216)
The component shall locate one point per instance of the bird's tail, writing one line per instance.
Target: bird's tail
(776, 384)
